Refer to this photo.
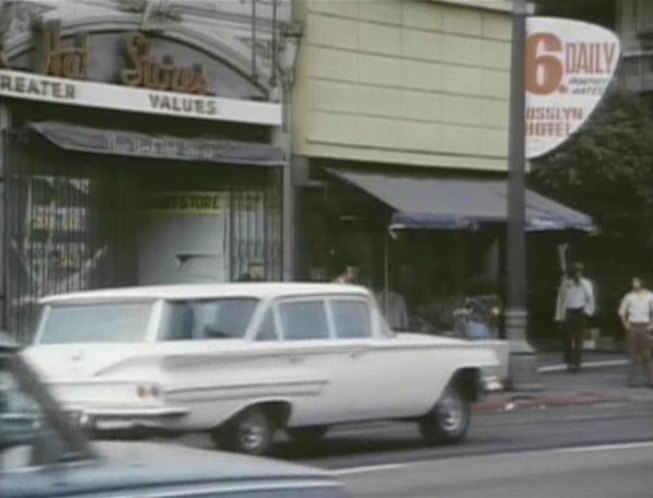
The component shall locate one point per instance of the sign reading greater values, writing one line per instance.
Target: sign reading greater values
(569, 65)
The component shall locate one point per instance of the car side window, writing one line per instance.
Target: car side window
(201, 319)
(351, 318)
(303, 320)
(267, 330)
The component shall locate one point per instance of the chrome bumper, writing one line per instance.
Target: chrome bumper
(102, 419)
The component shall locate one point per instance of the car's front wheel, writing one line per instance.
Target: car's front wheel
(251, 432)
(449, 419)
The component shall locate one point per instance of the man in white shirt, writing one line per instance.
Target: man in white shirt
(636, 313)
(574, 306)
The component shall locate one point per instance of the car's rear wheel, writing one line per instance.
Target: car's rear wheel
(449, 419)
(307, 435)
(251, 432)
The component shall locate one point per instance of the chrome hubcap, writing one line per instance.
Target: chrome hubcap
(252, 432)
(451, 412)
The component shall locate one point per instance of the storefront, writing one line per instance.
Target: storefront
(401, 138)
(132, 157)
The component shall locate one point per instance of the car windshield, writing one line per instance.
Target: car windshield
(97, 322)
(207, 318)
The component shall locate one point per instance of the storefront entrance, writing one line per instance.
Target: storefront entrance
(79, 220)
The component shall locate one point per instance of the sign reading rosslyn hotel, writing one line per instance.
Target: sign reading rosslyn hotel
(148, 83)
(569, 65)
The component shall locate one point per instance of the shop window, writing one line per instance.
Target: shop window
(304, 320)
(56, 242)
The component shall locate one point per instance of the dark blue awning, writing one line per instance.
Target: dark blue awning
(428, 202)
(72, 137)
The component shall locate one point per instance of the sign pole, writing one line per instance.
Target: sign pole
(522, 373)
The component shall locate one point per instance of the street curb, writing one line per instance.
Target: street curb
(541, 401)
(590, 364)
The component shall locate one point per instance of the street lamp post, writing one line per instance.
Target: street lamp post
(522, 374)
(288, 51)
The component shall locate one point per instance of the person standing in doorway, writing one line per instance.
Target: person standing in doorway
(636, 313)
(255, 272)
(349, 275)
(574, 306)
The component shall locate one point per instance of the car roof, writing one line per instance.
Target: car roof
(264, 290)
(138, 467)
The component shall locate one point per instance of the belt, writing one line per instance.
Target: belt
(575, 310)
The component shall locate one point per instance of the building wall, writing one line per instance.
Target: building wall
(422, 83)
(635, 27)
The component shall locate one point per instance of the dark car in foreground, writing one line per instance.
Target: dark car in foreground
(43, 454)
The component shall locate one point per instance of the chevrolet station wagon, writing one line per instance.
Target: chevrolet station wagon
(241, 361)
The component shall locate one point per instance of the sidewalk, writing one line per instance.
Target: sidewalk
(602, 380)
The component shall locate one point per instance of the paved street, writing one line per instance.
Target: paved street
(603, 471)
(536, 447)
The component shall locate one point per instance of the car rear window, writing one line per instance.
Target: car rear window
(102, 322)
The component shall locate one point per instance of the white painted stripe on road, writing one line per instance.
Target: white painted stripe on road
(364, 469)
(606, 447)
(590, 364)
(370, 468)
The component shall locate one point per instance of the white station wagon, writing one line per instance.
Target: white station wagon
(242, 360)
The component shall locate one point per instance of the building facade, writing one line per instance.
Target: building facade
(401, 114)
(149, 142)
(140, 145)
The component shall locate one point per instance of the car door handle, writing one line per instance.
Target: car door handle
(297, 359)
(356, 354)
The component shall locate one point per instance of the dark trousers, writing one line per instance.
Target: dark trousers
(574, 333)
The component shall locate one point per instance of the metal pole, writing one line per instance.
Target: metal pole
(288, 190)
(5, 124)
(386, 273)
(521, 372)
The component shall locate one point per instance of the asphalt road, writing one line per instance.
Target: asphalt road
(380, 443)
(616, 471)
(598, 450)
(389, 443)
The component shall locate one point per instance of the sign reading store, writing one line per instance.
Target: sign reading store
(137, 73)
(142, 67)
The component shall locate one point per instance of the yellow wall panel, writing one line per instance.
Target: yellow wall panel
(403, 81)
(380, 70)
(334, 96)
(422, 15)
(381, 133)
(379, 39)
(381, 11)
(462, 21)
(333, 64)
(333, 32)
(422, 106)
(422, 45)
(379, 101)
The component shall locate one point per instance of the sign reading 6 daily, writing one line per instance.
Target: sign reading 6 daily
(569, 65)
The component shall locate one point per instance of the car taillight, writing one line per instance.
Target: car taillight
(148, 391)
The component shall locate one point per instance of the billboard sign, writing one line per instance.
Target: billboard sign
(569, 65)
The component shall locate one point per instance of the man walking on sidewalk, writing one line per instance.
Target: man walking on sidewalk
(636, 312)
(574, 306)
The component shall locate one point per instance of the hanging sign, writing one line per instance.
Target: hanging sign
(569, 65)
